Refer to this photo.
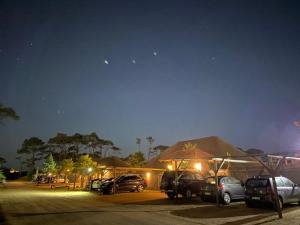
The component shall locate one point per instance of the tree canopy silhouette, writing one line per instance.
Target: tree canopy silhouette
(7, 113)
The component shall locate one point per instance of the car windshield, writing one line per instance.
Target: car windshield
(257, 183)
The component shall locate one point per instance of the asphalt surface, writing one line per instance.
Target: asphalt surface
(24, 203)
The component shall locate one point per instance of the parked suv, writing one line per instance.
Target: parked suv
(189, 183)
(260, 190)
(229, 189)
(128, 182)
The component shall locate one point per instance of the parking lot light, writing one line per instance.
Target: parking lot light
(198, 166)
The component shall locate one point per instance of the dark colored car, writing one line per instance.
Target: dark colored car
(260, 190)
(189, 183)
(128, 182)
(229, 189)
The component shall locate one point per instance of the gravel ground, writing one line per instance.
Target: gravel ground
(24, 203)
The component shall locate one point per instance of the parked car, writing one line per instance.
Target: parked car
(95, 184)
(43, 179)
(189, 183)
(127, 182)
(229, 189)
(260, 190)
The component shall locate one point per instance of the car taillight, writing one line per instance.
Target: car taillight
(221, 186)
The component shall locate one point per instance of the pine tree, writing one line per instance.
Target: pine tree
(49, 165)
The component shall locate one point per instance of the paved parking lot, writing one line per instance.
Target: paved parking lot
(23, 203)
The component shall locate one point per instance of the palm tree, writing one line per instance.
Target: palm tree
(150, 150)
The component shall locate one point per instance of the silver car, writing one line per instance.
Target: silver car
(259, 190)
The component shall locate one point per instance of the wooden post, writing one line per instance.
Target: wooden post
(176, 181)
(274, 186)
(273, 172)
(216, 182)
(114, 186)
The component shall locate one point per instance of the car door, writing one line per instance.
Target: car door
(132, 182)
(282, 191)
(237, 188)
(121, 183)
(292, 190)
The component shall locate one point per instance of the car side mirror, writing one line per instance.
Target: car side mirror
(242, 184)
(295, 185)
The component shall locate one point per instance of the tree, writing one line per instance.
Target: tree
(84, 166)
(66, 167)
(95, 144)
(59, 145)
(7, 113)
(49, 165)
(2, 161)
(138, 142)
(136, 159)
(150, 149)
(189, 146)
(33, 149)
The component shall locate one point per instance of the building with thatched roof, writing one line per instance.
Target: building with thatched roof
(189, 152)
(113, 161)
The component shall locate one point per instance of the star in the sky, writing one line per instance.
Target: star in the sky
(106, 62)
(133, 61)
(30, 44)
(155, 53)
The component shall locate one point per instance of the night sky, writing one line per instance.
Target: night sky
(173, 70)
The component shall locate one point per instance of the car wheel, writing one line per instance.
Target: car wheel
(188, 194)
(226, 198)
(140, 188)
(170, 195)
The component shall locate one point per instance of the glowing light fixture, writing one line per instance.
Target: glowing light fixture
(198, 166)
(148, 174)
(90, 169)
(170, 167)
(49, 174)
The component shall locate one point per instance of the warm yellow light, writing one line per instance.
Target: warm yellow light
(49, 174)
(170, 167)
(148, 174)
(198, 166)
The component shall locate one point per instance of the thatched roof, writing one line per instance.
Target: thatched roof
(202, 148)
(155, 163)
(113, 161)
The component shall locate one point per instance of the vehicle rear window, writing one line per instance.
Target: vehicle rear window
(257, 182)
(187, 176)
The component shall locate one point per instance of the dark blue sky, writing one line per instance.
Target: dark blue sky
(226, 68)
